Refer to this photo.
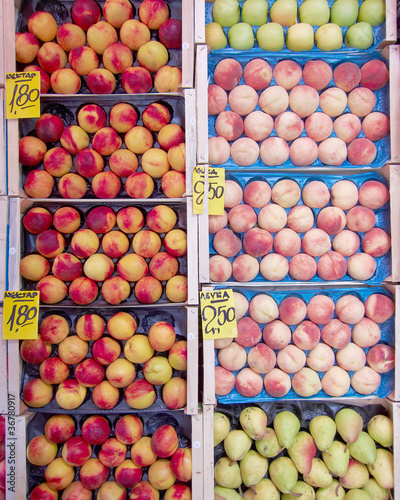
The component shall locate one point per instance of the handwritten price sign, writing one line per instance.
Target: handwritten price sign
(218, 314)
(20, 319)
(216, 190)
(23, 95)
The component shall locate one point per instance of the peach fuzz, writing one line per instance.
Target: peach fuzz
(52, 290)
(360, 219)
(344, 194)
(257, 242)
(83, 60)
(286, 193)
(306, 382)
(258, 125)
(44, 77)
(303, 151)
(76, 451)
(112, 452)
(26, 47)
(336, 333)
(39, 184)
(228, 73)
(70, 36)
(229, 125)
(89, 373)
(331, 266)
(220, 268)
(83, 291)
(347, 76)
(349, 309)
(287, 242)
(274, 100)
(318, 126)
(361, 266)
(136, 80)
(374, 74)
(376, 126)
(351, 358)
(272, 218)
(177, 356)
(302, 267)
(59, 428)
(316, 242)
(261, 358)
(376, 242)
(35, 351)
(117, 12)
(148, 290)
(333, 101)
(317, 74)
(287, 74)
(277, 334)
(73, 349)
(34, 267)
(146, 243)
(361, 101)
(258, 74)
(346, 243)
(84, 243)
(173, 184)
(373, 194)
(77, 488)
(40, 451)
(263, 308)
(300, 218)
(140, 394)
(303, 100)
(105, 395)
(54, 329)
(58, 474)
(217, 99)
(347, 127)
(321, 358)
(93, 474)
(288, 125)
(232, 357)
(65, 81)
(244, 151)
(243, 99)
(37, 219)
(168, 79)
(381, 358)
(31, 151)
(257, 194)
(163, 266)
(277, 383)
(249, 333)
(315, 194)
(365, 381)
(42, 25)
(37, 393)
(242, 218)
(233, 194)
(274, 267)
(248, 383)
(335, 382)
(361, 151)
(101, 81)
(331, 220)
(332, 151)
(245, 268)
(216, 222)
(176, 288)
(66, 267)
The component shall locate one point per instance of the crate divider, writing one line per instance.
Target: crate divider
(202, 99)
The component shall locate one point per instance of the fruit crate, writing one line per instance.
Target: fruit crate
(384, 34)
(180, 106)
(3, 167)
(184, 322)
(382, 219)
(6, 404)
(189, 430)
(305, 411)
(279, 301)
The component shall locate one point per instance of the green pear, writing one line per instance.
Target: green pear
(226, 12)
(344, 12)
(254, 422)
(375, 491)
(372, 12)
(215, 36)
(241, 36)
(329, 37)
(286, 427)
(283, 474)
(349, 424)
(221, 493)
(302, 452)
(364, 449)
(336, 458)
(300, 37)
(319, 475)
(357, 495)
(357, 475)
(227, 473)
(269, 445)
(237, 443)
(382, 469)
(253, 468)
(380, 428)
(302, 489)
(315, 12)
(284, 12)
(359, 36)
(270, 37)
(221, 427)
(255, 12)
(323, 429)
(333, 491)
(264, 489)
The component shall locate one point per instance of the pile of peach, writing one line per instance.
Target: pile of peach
(149, 258)
(307, 347)
(110, 457)
(155, 354)
(301, 231)
(103, 51)
(320, 114)
(95, 141)
(2, 457)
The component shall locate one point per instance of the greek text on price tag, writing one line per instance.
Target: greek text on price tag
(218, 314)
(216, 190)
(23, 95)
(20, 318)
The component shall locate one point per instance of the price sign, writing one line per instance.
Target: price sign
(218, 314)
(23, 95)
(216, 190)
(20, 318)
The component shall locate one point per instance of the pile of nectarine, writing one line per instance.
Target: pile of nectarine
(287, 114)
(144, 144)
(101, 50)
(303, 229)
(100, 251)
(111, 359)
(308, 344)
(77, 456)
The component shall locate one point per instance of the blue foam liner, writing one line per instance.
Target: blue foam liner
(379, 33)
(382, 215)
(382, 101)
(387, 337)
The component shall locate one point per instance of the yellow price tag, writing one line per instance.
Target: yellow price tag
(23, 95)
(218, 314)
(216, 190)
(20, 318)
